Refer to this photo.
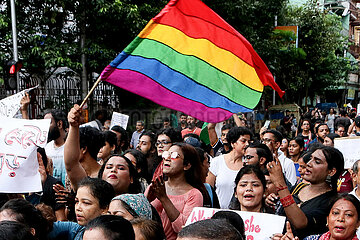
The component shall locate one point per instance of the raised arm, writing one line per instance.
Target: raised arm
(72, 151)
(176, 217)
(295, 215)
(212, 134)
(24, 104)
(237, 120)
(351, 127)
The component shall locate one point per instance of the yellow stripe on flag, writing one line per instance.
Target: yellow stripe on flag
(205, 50)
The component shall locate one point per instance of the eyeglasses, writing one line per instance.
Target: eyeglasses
(172, 155)
(158, 143)
(248, 157)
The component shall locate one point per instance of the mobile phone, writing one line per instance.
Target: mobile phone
(267, 124)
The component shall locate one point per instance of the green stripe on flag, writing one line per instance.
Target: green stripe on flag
(204, 135)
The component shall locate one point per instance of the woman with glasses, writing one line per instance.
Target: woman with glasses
(175, 198)
(224, 168)
(163, 142)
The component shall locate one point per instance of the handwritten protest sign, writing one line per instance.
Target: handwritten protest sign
(349, 147)
(10, 105)
(256, 224)
(19, 140)
(119, 119)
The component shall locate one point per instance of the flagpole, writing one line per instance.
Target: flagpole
(91, 91)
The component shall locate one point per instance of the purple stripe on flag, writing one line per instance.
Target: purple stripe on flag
(146, 87)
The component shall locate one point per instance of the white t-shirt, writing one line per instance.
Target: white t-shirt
(353, 192)
(57, 156)
(288, 168)
(225, 180)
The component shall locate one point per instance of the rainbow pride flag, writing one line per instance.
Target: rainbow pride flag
(189, 59)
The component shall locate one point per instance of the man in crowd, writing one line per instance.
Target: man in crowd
(340, 130)
(81, 148)
(136, 135)
(343, 120)
(219, 145)
(166, 122)
(321, 131)
(182, 124)
(56, 140)
(272, 139)
(191, 127)
(146, 145)
(258, 154)
(356, 178)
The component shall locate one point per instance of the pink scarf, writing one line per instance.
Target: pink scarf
(326, 236)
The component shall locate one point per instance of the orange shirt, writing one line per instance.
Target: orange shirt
(197, 131)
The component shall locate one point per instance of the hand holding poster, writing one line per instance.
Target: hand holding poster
(349, 147)
(10, 105)
(19, 140)
(119, 119)
(256, 224)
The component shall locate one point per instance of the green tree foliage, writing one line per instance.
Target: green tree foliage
(319, 62)
(49, 37)
(254, 19)
(49, 31)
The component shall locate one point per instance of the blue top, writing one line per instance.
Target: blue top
(67, 230)
(135, 138)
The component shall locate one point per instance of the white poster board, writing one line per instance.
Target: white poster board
(10, 105)
(19, 140)
(218, 127)
(256, 224)
(350, 148)
(119, 119)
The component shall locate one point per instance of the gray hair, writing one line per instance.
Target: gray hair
(355, 167)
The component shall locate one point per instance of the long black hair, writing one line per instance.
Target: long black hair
(248, 169)
(193, 175)
(334, 159)
(114, 227)
(135, 185)
(28, 215)
(100, 189)
(348, 197)
(141, 163)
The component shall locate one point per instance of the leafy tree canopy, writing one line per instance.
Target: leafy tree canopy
(49, 36)
(319, 61)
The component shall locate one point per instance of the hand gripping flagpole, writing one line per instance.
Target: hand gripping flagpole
(91, 91)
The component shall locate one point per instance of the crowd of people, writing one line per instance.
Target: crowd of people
(100, 183)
